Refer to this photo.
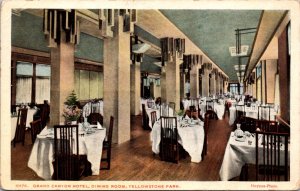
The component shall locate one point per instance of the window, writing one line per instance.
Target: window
(234, 88)
(88, 84)
(24, 82)
(42, 90)
(32, 78)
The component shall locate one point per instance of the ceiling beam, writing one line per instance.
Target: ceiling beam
(268, 25)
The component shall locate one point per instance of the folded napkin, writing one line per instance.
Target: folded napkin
(99, 126)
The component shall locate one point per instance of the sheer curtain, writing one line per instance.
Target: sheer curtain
(24, 85)
(42, 90)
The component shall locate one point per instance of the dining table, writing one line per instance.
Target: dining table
(42, 153)
(252, 112)
(165, 111)
(190, 136)
(14, 118)
(241, 151)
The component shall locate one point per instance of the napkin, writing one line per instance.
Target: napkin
(99, 126)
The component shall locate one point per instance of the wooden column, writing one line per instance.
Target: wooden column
(135, 88)
(163, 84)
(213, 84)
(284, 75)
(117, 81)
(194, 81)
(182, 82)
(173, 82)
(205, 83)
(62, 79)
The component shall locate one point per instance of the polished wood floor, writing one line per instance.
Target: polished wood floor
(134, 160)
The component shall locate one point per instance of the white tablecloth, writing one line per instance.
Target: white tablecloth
(42, 154)
(190, 137)
(237, 154)
(219, 109)
(253, 113)
(14, 119)
(158, 113)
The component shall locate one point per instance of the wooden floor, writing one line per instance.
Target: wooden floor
(133, 160)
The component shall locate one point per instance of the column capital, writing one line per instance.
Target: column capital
(171, 48)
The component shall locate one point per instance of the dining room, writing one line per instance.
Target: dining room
(150, 95)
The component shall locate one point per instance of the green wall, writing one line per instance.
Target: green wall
(27, 32)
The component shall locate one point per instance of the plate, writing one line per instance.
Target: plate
(241, 139)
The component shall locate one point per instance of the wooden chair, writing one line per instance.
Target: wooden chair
(239, 112)
(267, 126)
(248, 124)
(169, 148)
(145, 118)
(36, 128)
(20, 126)
(272, 162)
(93, 118)
(45, 113)
(172, 105)
(208, 115)
(264, 108)
(210, 105)
(153, 117)
(107, 145)
(150, 104)
(67, 162)
(192, 112)
(199, 114)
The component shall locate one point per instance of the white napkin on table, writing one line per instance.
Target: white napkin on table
(99, 126)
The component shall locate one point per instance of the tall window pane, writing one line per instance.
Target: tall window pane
(24, 82)
(42, 89)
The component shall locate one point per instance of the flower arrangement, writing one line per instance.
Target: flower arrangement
(71, 112)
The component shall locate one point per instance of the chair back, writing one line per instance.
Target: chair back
(20, 126)
(145, 118)
(110, 130)
(150, 104)
(264, 112)
(209, 105)
(36, 128)
(239, 112)
(153, 117)
(199, 113)
(267, 126)
(66, 152)
(93, 118)
(45, 114)
(208, 115)
(169, 150)
(272, 156)
(248, 124)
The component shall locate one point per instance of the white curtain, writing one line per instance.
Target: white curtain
(42, 90)
(24, 85)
